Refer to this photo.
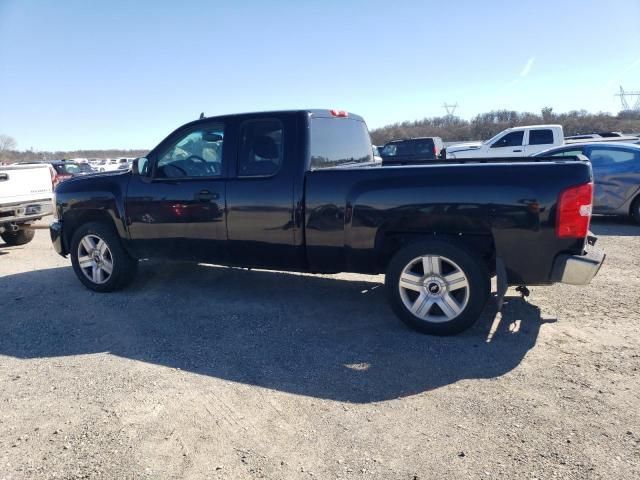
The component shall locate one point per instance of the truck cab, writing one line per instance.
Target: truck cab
(512, 142)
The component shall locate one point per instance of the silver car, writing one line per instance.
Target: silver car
(616, 173)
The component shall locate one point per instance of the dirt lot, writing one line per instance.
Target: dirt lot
(208, 372)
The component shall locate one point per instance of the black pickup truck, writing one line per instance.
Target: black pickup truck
(299, 191)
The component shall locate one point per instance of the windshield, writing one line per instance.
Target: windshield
(493, 139)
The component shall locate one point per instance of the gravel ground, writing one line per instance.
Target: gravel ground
(209, 372)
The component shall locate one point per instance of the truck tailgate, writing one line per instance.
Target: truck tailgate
(24, 183)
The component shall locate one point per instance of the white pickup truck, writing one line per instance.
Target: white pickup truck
(512, 142)
(26, 195)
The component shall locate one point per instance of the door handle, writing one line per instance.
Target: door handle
(206, 196)
(518, 150)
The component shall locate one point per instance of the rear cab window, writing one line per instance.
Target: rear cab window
(335, 142)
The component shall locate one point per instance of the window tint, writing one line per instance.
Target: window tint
(398, 148)
(260, 147)
(540, 137)
(610, 156)
(425, 147)
(513, 139)
(197, 154)
(71, 168)
(338, 141)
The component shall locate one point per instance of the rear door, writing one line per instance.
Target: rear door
(261, 209)
(508, 145)
(537, 140)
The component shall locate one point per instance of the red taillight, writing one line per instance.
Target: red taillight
(435, 151)
(54, 177)
(574, 211)
(339, 113)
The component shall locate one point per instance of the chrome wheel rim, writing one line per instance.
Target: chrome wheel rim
(95, 259)
(434, 288)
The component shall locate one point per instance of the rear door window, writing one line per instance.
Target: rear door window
(260, 152)
(541, 137)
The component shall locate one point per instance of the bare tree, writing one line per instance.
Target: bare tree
(7, 143)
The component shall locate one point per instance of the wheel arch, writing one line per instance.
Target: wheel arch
(77, 217)
(390, 242)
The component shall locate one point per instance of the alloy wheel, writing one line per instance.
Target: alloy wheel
(434, 288)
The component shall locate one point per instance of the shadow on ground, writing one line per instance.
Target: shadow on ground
(314, 336)
(614, 225)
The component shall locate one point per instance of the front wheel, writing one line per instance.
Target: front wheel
(437, 288)
(98, 258)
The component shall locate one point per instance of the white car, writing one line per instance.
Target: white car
(26, 193)
(512, 142)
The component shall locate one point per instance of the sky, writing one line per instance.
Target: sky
(123, 74)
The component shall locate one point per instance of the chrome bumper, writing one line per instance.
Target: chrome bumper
(578, 269)
(25, 212)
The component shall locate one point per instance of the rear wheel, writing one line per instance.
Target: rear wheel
(98, 258)
(21, 237)
(437, 288)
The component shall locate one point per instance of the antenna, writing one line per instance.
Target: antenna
(201, 116)
(627, 100)
(450, 108)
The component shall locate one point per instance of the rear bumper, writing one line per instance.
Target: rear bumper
(578, 269)
(55, 230)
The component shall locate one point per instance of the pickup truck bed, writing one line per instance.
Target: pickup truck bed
(298, 190)
(25, 196)
(507, 208)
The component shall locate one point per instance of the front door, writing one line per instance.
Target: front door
(509, 145)
(177, 210)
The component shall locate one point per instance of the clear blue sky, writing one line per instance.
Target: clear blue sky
(123, 74)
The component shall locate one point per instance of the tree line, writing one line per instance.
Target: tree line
(11, 156)
(486, 125)
(449, 128)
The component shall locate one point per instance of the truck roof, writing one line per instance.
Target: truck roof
(313, 112)
(524, 127)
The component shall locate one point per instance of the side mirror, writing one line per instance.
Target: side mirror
(140, 166)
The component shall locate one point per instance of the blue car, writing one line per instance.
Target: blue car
(616, 172)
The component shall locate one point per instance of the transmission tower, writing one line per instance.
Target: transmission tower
(450, 108)
(627, 100)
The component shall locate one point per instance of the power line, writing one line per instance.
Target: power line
(627, 99)
(450, 108)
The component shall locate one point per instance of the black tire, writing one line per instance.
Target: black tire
(124, 267)
(635, 210)
(452, 258)
(21, 237)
